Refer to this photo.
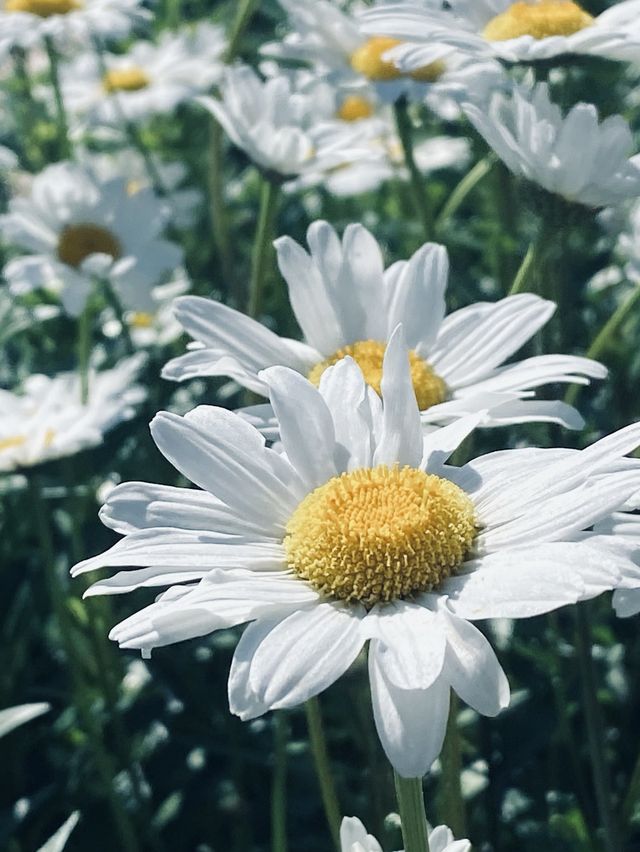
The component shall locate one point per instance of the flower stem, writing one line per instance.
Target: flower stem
(595, 729)
(84, 352)
(279, 784)
(82, 699)
(633, 795)
(452, 807)
(606, 335)
(61, 115)
(418, 187)
(466, 185)
(521, 280)
(414, 820)
(218, 212)
(244, 13)
(323, 768)
(264, 236)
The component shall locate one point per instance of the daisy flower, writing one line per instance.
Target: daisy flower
(79, 230)
(358, 531)
(336, 46)
(46, 419)
(24, 23)
(512, 30)
(149, 79)
(354, 838)
(346, 303)
(278, 127)
(534, 140)
(621, 532)
(13, 717)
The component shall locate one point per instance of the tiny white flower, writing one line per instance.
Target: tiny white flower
(354, 838)
(358, 531)
(47, 420)
(533, 138)
(149, 79)
(79, 230)
(24, 23)
(346, 303)
(512, 30)
(279, 127)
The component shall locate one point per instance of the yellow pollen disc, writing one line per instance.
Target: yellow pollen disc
(43, 8)
(77, 242)
(367, 60)
(125, 80)
(379, 534)
(355, 108)
(11, 442)
(541, 19)
(140, 319)
(429, 388)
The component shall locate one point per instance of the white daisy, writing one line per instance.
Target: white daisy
(359, 531)
(13, 717)
(346, 303)
(336, 46)
(354, 838)
(279, 127)
(24, 23)
(46, 419)
(533, 138)
(621, 533)
(520, 31)
(78, 230)
(147, 80)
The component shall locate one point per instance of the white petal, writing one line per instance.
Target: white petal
(439, 445)
(345, 392)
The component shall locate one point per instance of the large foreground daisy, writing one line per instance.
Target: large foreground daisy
(358, 532)
(354, 838)
(512, 30)
(346, 303)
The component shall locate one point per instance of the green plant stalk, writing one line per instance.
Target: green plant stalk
(246, 9)
(218, 212)
(323, 768)
(84, 351)
(523, 275)
(61, 115)
(452, 807)
(595, 730)
(415, 831)
(88, 720)
(269, 196)
(279, 784)
(606, 335)
(464, 188)
(418, 185)
(633, 795)
(24, 108)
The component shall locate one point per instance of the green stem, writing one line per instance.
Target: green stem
(452, 807)
(218, 212)
(633, 795)
(418, 186)
(323, 768)
(24, 110)
(521, 281)
(264, 236)
(466, 185)
(61, 115)
(84, 351)
(244, 13)
(595, 729)
(606, 335)
(415, 831)
(279, 784)
(82, 699)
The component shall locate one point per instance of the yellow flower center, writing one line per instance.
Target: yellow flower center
(367, 60)
(380, 533)
(354, 108)
(11, 442)
(541, 19)
(125, 79)
(140, 319)
(43, 8)
(429, 388)
(77, 242)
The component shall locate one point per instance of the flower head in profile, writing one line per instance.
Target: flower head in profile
(336, 47)
(354, 838)
(47, 420)
(357, 531)
(77, 230)
(24, 23)
(278, 126)
(512, 30)
(149, 79)
(533, 138)
(347, 304)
